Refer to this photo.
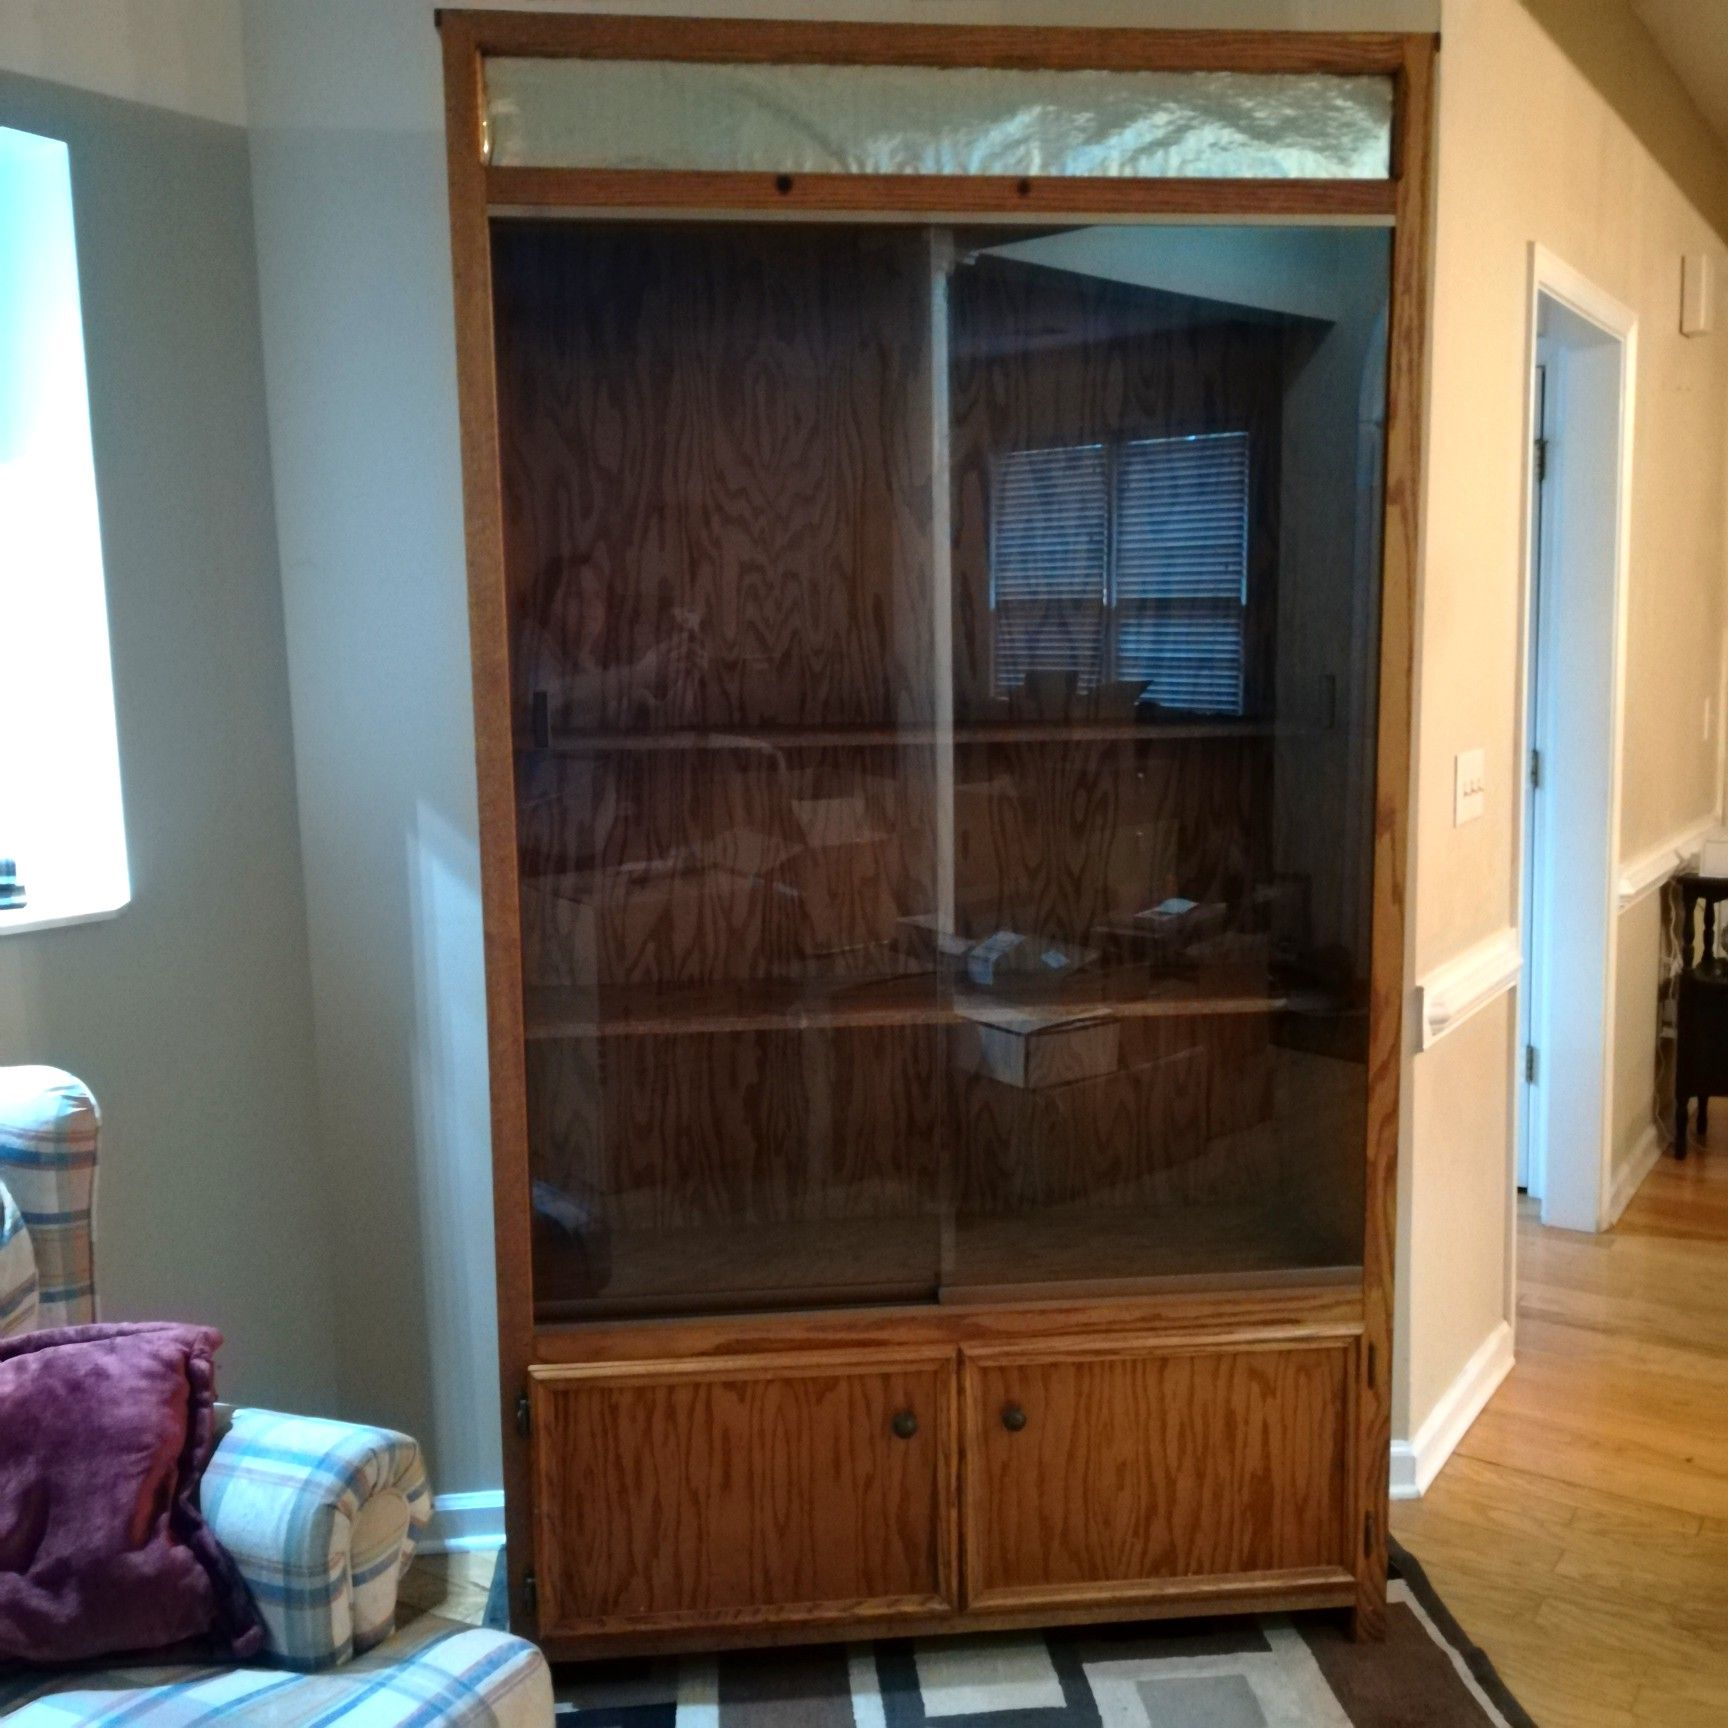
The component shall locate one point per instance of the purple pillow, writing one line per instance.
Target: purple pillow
(104, 1435)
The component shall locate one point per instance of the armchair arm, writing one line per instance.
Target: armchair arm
(321, 1519)
(49, 1128)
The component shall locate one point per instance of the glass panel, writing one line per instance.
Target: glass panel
(1163, 804)
(574, 113)
(944, 678)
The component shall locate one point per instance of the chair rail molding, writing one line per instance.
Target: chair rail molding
(1645, 873)
(1468, 982)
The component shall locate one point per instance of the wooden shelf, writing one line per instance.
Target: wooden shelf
(910, 736)
(735, 1266)
(1025, 1256)
(920, 999)
(1103, 1251)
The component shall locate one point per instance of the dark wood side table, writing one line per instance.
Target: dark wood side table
(1701, 1016)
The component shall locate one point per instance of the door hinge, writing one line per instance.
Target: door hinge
(1536, 768)
(1541, 460)
(1530, 1064)
(522, 1416)
(530, 1601)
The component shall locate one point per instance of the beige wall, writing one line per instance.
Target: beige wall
(1529, 150)
(1635, 984)
(1453, 1277)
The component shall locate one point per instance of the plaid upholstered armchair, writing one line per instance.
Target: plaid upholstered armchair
(321, 1517)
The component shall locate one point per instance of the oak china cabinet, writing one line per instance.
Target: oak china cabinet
(940, 520)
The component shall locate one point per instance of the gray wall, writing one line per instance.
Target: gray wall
(353, 256)
(190, 1013)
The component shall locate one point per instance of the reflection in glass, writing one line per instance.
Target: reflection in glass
(944, 678)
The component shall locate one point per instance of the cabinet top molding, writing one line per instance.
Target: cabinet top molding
(1025, 47)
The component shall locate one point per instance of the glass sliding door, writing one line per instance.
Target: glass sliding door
(943, 665)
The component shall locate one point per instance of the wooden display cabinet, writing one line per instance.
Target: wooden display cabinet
(941, 651)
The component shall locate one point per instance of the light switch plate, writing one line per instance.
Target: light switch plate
(1469, 794)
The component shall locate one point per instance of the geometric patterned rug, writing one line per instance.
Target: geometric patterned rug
(1274, 1671)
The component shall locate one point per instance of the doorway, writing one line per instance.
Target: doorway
(1578, 474)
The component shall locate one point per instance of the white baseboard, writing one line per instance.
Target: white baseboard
(1632, 1173)
(1416, 1462)
(461, 1521)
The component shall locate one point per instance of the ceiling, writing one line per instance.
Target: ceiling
(1693, 37)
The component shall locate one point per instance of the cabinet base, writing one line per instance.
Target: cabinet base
(1268, 1593)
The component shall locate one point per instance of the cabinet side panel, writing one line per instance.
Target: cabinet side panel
(1405, 394)
(487, 613)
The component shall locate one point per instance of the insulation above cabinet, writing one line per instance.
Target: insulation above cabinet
(813, 119)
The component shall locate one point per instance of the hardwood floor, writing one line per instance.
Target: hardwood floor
(1580, 1532)
(453, 1585)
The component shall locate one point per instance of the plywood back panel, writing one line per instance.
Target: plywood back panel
(721, 433)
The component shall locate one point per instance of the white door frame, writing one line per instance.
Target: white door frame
(1570, 1112)
(1544, 393)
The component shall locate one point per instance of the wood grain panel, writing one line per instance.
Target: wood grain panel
(757, 1127)
(716, 432)
(1109, 1139)
(1407, 363)
(1062, 841)
(1154, 1466)
(489, 638)
(955, 196)
(762, 1490)
(739, 864)
(820, 42)
(1318, 1305)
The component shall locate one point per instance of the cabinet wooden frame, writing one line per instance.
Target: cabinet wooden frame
(478, 192)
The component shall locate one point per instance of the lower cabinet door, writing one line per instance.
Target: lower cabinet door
(1156, 1472)
(755, 1490)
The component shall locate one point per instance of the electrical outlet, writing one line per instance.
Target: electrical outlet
(1469, 787)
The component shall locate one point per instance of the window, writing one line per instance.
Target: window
(1049, 564)
(60, 813)
(1125, 563)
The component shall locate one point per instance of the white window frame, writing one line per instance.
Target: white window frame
(61, 813)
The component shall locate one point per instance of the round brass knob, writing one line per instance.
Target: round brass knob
(1013, 1418)
(905, 1424)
